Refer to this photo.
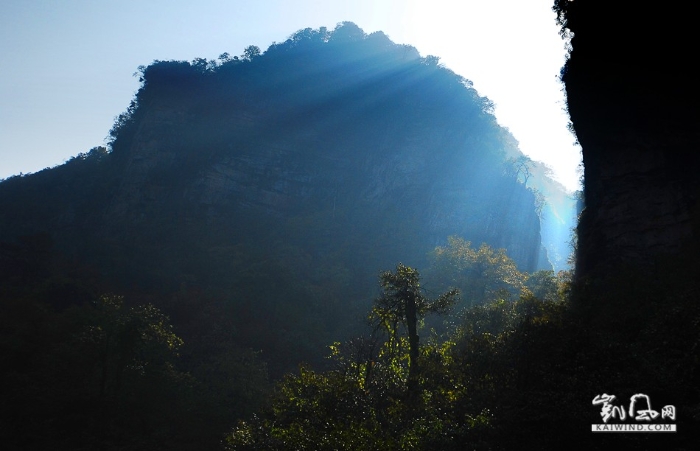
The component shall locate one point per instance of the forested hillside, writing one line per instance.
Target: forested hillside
(282, 182)
(154, 290)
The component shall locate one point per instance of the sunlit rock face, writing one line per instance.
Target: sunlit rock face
(411, 189)
(633, 100)
(346, 154)
(362, 136)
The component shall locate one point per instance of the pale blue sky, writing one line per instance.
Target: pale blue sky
(67, 65)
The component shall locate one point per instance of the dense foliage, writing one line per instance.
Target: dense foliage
(502, 373)
(511, 375)
(82, 370)
(386, 392)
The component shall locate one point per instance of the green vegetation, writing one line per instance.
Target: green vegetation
(480, 274)
(87, 371)
(512, 370)
(510, 375)
(386, 392)
(85, 368)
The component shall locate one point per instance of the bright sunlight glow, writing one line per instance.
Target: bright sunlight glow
(68, 65)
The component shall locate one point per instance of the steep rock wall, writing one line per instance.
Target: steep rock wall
(321, 155)
(412, 177)
(633, 101)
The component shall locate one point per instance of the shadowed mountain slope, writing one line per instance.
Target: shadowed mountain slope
(283, 182)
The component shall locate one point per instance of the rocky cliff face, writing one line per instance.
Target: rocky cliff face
(407, 173)
(256, 201)
(312, 131)
(338, 151)
(634, 106)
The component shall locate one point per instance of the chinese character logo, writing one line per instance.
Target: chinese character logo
(642, 414)
(608, 410)
(640, 409)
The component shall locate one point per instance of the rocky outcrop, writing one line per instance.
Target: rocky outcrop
(633, 101)
(349, 155)
(412, 178)
(366, 130)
